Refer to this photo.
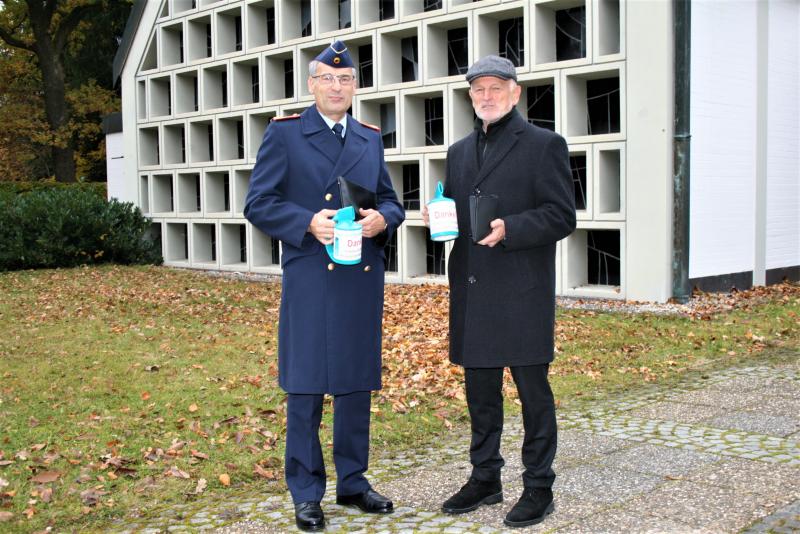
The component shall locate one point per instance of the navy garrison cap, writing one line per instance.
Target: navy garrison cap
(496, 66)
(336, 56)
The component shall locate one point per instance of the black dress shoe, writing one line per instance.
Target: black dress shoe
(473, 494)
(309, 516)
(532, 507)
(369, 501)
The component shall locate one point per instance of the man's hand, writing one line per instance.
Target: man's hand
(425, 217)
(322, 226)
(373, 222)
(497, 235)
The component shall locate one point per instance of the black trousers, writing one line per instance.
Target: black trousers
(485, 402)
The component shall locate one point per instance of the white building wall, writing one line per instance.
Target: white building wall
(723, 143)
(650, 93)
(783, 147)
(118, 186)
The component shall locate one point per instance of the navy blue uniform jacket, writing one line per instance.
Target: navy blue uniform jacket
(329, 338)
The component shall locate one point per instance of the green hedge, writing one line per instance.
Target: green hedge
(99, 188)
(69, 226)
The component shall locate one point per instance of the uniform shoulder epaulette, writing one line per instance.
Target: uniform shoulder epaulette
(371, 126)
(286, 117)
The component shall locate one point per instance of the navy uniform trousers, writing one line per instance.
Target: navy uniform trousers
(305, 470)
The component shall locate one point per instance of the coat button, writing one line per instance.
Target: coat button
(367, 268)
(328, 197)
(330, 266)
(477, 191)
(472, 279)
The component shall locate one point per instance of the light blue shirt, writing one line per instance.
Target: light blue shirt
(331, 122)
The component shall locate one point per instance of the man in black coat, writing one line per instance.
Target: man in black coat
(502, 284)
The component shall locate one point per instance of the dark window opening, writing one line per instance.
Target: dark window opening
(254, 84)
(240, 139)
(213, 236)
(305, 18)
(180, 46)
(275, 249)
(411, 186)
(197, 191)
(242, 243)
(183, 145)
(344, 14)
(365, 66)
(578, 166)
(434, 121)
(542, 106)
(288, 78)
(238, 31)
(226, 190)
(390, 263)
(512, 40)
(435, 257)
(210, 142)
(388, 126)
(385, 9)
(603, 257)
(431, 5)
(208, 40)
(223, 80)
(408, 50)
(196, 96)
(457, 51)
(571, 33)
(270, 25)
(602, 102)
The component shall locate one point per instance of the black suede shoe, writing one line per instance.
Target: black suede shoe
(531, 508)
(309, 516)
(473, 494)
(369, 501)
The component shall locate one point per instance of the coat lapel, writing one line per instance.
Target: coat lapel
(318, 134)
(355, 143)
(499, 151)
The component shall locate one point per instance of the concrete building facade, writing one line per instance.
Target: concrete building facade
(201, 80)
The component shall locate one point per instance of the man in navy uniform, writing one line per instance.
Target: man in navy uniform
(329, 339)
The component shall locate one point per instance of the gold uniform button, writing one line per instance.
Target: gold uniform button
(328, 197)
(330, 266)
(367, 269)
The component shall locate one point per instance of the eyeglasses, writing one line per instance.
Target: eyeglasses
(327, 79)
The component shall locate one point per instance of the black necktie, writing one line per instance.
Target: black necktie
(338, 129)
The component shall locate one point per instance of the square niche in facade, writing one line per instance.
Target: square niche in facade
(201, 141)
(160, 96)
(423, 119)
(447, 47)
(375, 11)
(399, 55)
(172, 49)
(177, 243)
(215, 87)
(279, 70)
(537, 102)
(593, 103)
(410, 8)
(246, 82)
(295, 19)
(560, 31)
(230, 36)
(189, 193)
(200, 41)
(204, 243)
(261, 24)
(406, 174)
(502, 32)
(382, 112)
(334, 15)
(187, 92)
(266, 251)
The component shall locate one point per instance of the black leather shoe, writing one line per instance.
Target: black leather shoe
(309, 516)
(473, 494)
(369, 501)
(531, 508)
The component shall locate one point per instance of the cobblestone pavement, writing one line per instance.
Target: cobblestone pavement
(718, 453)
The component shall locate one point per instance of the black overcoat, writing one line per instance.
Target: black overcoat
(329, 337)
(502, 299)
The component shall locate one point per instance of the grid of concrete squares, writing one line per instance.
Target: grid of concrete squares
(216, 71)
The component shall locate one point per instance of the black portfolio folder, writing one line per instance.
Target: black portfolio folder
(482, 211)
(354, 195)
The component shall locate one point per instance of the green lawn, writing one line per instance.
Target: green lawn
(121, 388)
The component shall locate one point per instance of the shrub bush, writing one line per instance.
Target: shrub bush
(69, 226)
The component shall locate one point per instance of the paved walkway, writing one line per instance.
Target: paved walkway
(719, 453)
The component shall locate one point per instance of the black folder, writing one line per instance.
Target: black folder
(354, 195)
(482, 211)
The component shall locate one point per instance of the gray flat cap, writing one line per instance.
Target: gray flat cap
(496, 66)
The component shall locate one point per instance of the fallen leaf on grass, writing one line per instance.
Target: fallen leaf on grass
(260, 471)
(198, 454)
(225, 479)
(46, 476)
(193, 408)
(175, 472)
(3, 483)
(91, 497)
(201, 486)
(46, 494)
(145, 395)
(6, 516)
